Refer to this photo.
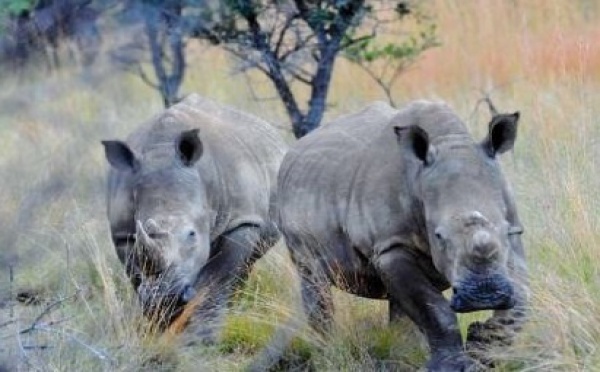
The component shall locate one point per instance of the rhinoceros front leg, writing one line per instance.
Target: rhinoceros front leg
(501, 329)
(227, 270)
(317, 303)
(396, 314)
(424, 304)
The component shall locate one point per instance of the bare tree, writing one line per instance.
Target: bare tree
(163, 26)
(32, 30)
(161, 43)
(385, 63)
(299, 41)
(290, 41)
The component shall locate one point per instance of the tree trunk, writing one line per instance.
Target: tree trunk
(320, 89)
(274, 72)
(164, 24)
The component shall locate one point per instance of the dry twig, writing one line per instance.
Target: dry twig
(37, 325)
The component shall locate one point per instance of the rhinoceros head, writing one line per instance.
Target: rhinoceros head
(464, 200)
(171, 217)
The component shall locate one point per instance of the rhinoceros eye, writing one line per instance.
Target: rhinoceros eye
(441, 237)
(191, 235)
(439, 234)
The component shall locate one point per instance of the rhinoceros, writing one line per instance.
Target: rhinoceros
(190, 204)
(402, 205)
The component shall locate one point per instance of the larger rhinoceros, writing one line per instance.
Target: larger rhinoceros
(190, 199)
(402, 205)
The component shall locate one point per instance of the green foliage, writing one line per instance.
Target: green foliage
(384, 61)
(243, 334)
(369, 50)
(9, 9)
(398, 342)
(15, 7)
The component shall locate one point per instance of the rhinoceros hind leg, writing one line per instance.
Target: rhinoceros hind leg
(315, 286)
(317, 302)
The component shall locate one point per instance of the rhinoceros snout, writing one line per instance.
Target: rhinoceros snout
(164, 304)
(482, 292)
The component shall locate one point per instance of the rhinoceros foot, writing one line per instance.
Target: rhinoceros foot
(483, 336)
(453, 363)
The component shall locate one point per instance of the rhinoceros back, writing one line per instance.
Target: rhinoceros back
(317, 174)
(349, 180)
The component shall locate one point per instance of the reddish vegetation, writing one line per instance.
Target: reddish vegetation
(183, 319)
(508, 41)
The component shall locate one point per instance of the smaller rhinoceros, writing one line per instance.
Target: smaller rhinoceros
(402, 205)
(190, 199)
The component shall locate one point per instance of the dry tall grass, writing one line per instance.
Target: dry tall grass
(541, 57)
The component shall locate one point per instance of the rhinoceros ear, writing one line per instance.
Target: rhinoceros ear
(120, 156)
(502, 134)
(416, 140)
(189, 147)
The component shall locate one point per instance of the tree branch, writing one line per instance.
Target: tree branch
(304, 13)
(97, 352)
(379, 81)
(299, 74)
(297, 47)
(45, 312)
(38, 326)
(288, 23)
(8, 322)
(145, 78)
(328, 50)
(272, 63)
(244, 57)
(346, 14)
(253, 92)
(349, 42)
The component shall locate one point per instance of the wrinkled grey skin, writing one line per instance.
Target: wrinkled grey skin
(190, 199)
(402, 205)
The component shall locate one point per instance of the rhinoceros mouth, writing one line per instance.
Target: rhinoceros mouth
(162, 314)
(482, 292)
(162, 307)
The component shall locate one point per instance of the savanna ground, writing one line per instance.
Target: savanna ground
(541, 57)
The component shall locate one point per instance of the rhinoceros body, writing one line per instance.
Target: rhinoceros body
(401, 205)
(190, 199)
